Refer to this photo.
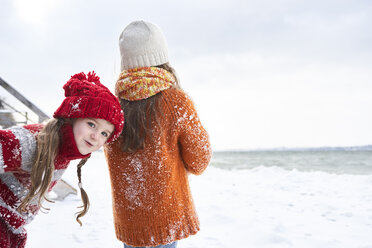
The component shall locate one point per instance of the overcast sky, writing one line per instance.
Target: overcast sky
(268, 73)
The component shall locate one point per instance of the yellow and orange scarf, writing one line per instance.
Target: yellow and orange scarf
(142, 82)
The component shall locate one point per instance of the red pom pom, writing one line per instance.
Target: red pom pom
(92, 77)
(80, 76)
(81, 84)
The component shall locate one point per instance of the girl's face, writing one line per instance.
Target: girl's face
(90, 134)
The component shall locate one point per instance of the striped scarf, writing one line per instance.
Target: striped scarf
(142, 82)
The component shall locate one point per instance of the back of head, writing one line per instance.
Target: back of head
(145, 73)
(142, 44)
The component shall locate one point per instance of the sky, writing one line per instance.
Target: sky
(262, 74)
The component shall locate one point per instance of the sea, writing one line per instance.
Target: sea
(337, 160)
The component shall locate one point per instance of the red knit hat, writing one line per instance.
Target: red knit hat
(86, 97)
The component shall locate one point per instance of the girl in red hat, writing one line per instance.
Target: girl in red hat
(162, 142)
(33, 157)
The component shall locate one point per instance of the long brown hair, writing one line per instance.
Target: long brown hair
(83, 194)
(140, 116)
(48, 141)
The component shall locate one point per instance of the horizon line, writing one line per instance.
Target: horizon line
(367, 147)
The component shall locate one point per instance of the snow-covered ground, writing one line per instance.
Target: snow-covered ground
(261, 207)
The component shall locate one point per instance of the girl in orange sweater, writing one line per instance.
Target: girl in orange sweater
(162, 142)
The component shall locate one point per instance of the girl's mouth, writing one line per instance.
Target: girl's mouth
(88, 143)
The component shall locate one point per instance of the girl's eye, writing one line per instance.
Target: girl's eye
(91, 124)
(104, 134)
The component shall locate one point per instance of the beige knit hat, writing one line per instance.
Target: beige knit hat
(142, 44)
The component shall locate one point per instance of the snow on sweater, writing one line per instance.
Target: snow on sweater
(152, 202)
(17, 152)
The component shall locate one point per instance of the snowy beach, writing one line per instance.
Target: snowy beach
(282, 75)
(263, 207)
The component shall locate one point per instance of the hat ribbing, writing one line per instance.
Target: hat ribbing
(142, 44)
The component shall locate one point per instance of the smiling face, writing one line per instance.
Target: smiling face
(90, 134)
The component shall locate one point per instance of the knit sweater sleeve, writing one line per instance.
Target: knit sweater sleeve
(17, 148)
(193, 139)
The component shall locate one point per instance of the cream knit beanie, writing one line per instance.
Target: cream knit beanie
(142, 44)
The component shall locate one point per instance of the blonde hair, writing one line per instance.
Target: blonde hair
(48, 141)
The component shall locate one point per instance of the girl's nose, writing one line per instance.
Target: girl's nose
(93, 135)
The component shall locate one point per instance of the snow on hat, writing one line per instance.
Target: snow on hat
(86, 97)
(142, 44)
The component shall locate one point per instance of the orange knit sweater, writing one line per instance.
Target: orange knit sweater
(152, 202)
